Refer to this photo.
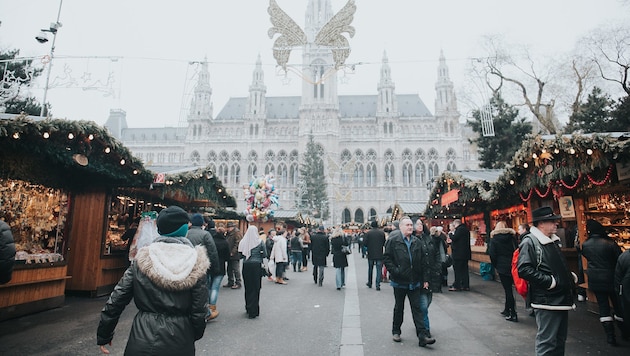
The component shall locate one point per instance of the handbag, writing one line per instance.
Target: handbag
(346, 249)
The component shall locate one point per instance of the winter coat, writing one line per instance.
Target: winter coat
(199, 236)
(403, 270)
(622, 277)
(296, 244)
(501, 248)
(320, 248)
(339, 258)
(279, 250)
(223, 250)
(167, 282)
(7, 253)
(460, 245)
(543, 265)
(375, 241)
(257, 254)
(601, 252)
(233, 238)
(431, 246)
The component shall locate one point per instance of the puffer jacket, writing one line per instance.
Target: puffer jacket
(543, 265)
(601, 252)
(168, 285)
(7, 253)
(501, 249)
(199, 236)
(622, 277)
(402, 270)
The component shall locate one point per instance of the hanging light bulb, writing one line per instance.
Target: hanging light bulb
(525, 165)
(534, 156)
(90, 137)
(572, 151)
(589, 152)
(108, 150)
(70, 136)
(122, 162)
(511, 181)
(556, 151)
(16, 135)
(46, 135)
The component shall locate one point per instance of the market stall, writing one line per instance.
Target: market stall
(54, 179)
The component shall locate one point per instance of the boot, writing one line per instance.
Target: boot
(280, 281)
(505, 311)
(625, 334)
(512, 316)
(213, 312)
(609, 328)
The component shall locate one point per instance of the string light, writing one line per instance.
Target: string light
(108, 150)
(90, 137)
(46, 135)
(572, 151)
(16, 135)
(556, 151)
(122, 162)
(525, 165)
(70, 136)
(534, 156)
(589, 152)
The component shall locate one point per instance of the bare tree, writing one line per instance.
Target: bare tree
(610, 52)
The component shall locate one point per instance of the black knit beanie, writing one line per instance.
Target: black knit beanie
(171, 219)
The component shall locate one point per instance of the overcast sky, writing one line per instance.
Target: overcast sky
(135, 55)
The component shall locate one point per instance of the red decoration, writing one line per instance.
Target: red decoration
(571, 187)
(543, 195)
(602, 182)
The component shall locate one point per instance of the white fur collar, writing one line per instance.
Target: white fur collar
(542, 238)
(173, 266)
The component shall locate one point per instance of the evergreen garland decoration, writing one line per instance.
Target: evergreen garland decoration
(200, 184)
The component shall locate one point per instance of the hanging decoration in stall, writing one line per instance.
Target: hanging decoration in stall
(260, 197)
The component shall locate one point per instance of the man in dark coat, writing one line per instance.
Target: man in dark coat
(233, 237)
(320, 248)
(461, 253)
(622, 288)
(374, 240)
(408, 268)
(7, 253)
(167, 283)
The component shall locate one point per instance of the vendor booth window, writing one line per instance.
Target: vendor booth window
(124, 218)
(37, 217)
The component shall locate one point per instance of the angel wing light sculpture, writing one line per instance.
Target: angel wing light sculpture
(330, 35)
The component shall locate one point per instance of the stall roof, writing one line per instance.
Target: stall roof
(487, 175)
(412, 208)
(285, 214)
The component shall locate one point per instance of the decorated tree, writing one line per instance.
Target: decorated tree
(312, 197)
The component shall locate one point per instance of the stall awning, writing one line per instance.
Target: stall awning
(450, 197)
(412, 208)
(285, 214)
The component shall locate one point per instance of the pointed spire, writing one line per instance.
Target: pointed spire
(257, 91)
(201, 103)
(318, 12)
(445, 101)
(387, 104)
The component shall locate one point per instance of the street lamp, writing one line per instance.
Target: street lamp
(42, 37)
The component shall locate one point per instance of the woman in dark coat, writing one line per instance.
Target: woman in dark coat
(253, 250)
(602, 252)
(501, 249)
(340, 261)
(168, 285)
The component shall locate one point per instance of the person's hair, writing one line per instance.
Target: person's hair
(525, 226)
(500, 225)
(456, 222)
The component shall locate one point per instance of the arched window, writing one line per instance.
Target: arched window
(391, 128)
(451, 167)
(252, 156)
(406, 155)
(236, 156)
(433, 170)
(420, 155)
(358, 216)
(420, 173)
(235, 173)
(269, 156)
(283, 174)
(195, 158)
(293, 174)
(371, 175)
(359, 155)
(433, 154)
(282, 156)
(372, 215)
(358, 175)
(269, 169)
(389, 172)
(406, 171)
(345, 156)
(252, 170)
(346, 218)
(371, 155)
(223, 172)
(293, 156)
(212, 156)
(389, 155)
(223, 156)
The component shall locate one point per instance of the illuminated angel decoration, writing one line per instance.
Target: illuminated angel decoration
(330, 35)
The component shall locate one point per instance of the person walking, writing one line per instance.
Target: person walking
(233, 238)
(374, 241)
(306, 243)
(340, 260)
(279, 255)
(167, 282)
(601, 254)
(434, 265)
(461, 253)
(409, 274)
(7, 253)
(223, 251)
(296, 246)
(551, 284)
(253, 250)
(622, 289)
(199, 236)
(320, 248)
(501, 248)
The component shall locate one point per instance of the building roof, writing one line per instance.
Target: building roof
(287, 107)
(412, 208)
(487, 175)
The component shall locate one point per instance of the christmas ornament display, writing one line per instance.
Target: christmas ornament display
(260, 197)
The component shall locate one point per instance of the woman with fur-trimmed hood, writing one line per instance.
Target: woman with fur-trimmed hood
(501, 249)
(168, 285)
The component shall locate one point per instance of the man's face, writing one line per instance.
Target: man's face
(418, 226)
(406, 227)
(521, 230)
(548, 227)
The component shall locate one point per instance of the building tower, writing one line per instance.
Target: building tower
(445, 101)
(387, 105)
(200, 113)
(257, 90)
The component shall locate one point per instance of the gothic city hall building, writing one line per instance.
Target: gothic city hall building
(378, 150)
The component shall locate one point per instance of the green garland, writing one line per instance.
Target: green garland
(200, 184)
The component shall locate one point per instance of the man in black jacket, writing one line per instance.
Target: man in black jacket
(374, 240)
(320, 248)
(407, 264)
(460, 246)
(551, 284)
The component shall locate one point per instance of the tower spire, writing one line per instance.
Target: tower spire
(387, 105)
(201, 104)
(257, 91)
(445, 101)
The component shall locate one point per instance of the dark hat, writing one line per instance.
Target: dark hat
(374, 223)
(197, 220)
(171, 219)
(231, 224)
(321, 228)
(211, 224)
(594, 227)
(544, 214)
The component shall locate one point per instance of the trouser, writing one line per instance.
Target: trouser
(305, 256)
(425, 301)
(416, 312)
(506, 282)
(340, 276)
(318, 273)
(552, 331)
(234, 272)
(379, 265)
(603, 302)
(280, 268)
(297, 260)
(214, 284)
(460, 270)
(251, 280)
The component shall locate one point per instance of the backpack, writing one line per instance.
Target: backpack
(522, 286)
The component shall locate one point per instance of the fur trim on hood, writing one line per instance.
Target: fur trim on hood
(502, 231)
(172, 265)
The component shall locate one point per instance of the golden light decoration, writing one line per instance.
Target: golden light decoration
(572, 151)
(46, 135)
(122, 162)
(589, 152)
(70, 136)
(90, 137)
(525, 165)
(16, 135)
(108, 150)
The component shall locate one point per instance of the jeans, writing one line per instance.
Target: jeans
(318, 274)
(214, 284)
(552, 331)
(425, 302)
(399, 309)
(379, 265)
(296, 259)
(340, 277)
